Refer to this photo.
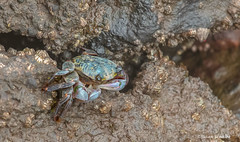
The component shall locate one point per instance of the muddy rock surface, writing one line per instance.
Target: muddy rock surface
(165, 104)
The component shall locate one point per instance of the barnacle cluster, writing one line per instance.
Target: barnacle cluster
(42, 56)
(152, 114)
(79, 25)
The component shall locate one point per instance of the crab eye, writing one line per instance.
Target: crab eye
(119, 69)
(98, 78)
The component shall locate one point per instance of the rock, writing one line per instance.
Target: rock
(165, 104)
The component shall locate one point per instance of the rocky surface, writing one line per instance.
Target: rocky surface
(65, 25)
(165, 104)
(162, 103)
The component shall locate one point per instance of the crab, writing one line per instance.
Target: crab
(84, 77)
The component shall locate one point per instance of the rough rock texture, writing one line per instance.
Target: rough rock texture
(58, 23)
(65, 24)
(165, 104)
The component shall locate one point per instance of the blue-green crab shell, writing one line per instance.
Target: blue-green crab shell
(96, 68)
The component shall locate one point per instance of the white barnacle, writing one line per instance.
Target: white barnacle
(2, 65)
(38, 59)
(30, 67)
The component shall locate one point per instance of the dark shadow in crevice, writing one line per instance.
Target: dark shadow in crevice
(16, 41)
(216, 62)
(132, 69)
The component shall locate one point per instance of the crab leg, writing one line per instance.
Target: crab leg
(67, 106)
(59, 73)
(67, 68)
(89, 52)
(60, 103)
(59, 86)
(68, 99)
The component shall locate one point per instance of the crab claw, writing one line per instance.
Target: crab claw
(116, 84)
(81, 93)
(94, 94)
(86, 94)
